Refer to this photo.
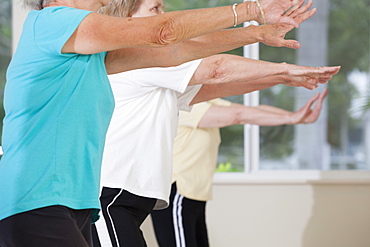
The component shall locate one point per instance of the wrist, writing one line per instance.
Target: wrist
(247, 11)
(257, 32)
(283, 80)
(261, 18)
(283, 70)
(289, 120)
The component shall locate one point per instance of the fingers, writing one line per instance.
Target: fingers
(334, 70)
(327, 70)
(301, 18)
(300, 13)
(274, 36)
(323, 95)
(310, 102)
(294, 12)
(322, 73)
(293, 8)
(308, 85)
(293, 44)
(324, 79)
(313, 99)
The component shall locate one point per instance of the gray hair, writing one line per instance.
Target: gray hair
(121, 8)
(36, 4)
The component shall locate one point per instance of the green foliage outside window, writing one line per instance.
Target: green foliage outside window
(348, 46)
(349, 25)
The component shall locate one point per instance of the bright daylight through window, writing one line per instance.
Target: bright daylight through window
(338, 34)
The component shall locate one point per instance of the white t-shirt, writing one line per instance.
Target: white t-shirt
(138, 149)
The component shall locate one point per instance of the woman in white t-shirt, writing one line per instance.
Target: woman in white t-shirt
(137, 159)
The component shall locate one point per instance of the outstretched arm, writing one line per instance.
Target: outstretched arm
(221, 116)
(203, 46)
(212, 43)
(226, 75)
(98, 33)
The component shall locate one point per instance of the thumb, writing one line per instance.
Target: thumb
(292, 44)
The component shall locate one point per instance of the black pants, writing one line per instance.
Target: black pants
(182, 224)
(50, 226)
(124, 213)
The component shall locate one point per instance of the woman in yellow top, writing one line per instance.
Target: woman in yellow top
(195, 154)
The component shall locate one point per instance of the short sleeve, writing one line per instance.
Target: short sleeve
(184, 99)
(192, 119)
(175, 78)
(53, 27)
(220, 102)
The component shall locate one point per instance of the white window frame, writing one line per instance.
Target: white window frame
(251, 174)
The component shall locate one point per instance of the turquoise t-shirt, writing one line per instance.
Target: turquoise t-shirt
(58, 107)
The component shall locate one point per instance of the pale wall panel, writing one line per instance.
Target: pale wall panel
(287, 216)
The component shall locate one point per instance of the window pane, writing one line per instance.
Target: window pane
(231, 152)
(338, 34)
(5, 48)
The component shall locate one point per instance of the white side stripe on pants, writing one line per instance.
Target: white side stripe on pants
(110, 217)
(177, 220)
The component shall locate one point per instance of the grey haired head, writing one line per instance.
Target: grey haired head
(36, 4)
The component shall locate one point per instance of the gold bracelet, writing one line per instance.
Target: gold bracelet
(235, 14)
(262, 13)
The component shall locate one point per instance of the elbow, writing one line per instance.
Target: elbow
(236, 118)
(217, 71)
(168, 34)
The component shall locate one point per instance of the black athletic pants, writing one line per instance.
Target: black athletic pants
(56, 226)
(182, 224)
(124, 213)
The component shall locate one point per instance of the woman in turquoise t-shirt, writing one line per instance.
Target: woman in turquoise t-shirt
(58, 105)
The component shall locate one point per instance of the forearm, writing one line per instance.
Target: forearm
(236, 114)
(220, 41)
(228, 39)
(200, 47)
(212, 91)
(262, 117)
(231, 68)
(273, 109)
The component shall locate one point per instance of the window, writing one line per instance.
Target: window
(5, 48)
(338, 34)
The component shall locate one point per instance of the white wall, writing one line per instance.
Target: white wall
(299, 215)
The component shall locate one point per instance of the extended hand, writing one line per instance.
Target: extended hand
(308, 77)
(291, 12)
(306, 114)
(274, 34)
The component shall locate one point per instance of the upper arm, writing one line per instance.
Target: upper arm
(98, 33)
(136, 58)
